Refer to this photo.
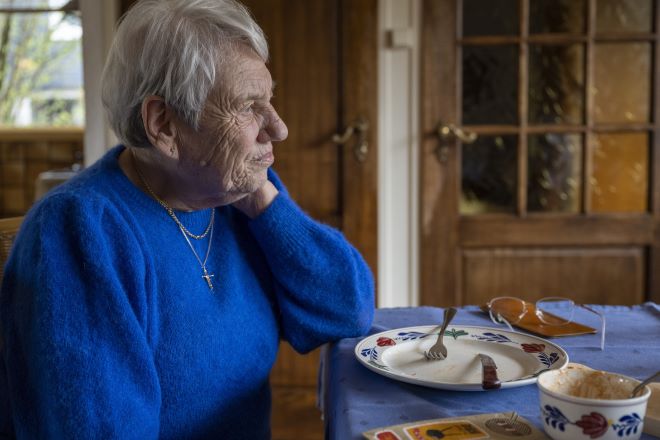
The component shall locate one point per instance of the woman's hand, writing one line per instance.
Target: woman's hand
(255, 203)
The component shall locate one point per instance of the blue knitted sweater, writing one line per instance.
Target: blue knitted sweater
(111, 332)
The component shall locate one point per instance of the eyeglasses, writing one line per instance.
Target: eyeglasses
(552, 311)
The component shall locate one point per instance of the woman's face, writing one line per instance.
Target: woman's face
(229, 155)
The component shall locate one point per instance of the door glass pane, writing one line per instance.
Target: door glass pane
(490, 84)
(555, 172)
(489, 175)
(556, 16)
(622, 77)
(619, 179)
(623, 16)
(556, 84)
(490, 17)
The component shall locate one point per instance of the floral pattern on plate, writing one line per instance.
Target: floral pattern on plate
(541, 354)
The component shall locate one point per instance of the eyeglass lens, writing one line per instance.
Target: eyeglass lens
(555, 310)
(507, 308)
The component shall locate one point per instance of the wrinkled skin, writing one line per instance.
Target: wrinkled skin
(234, 141)
(226, 159)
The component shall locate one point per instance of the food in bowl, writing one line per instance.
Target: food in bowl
(593, 384)
(581, 403)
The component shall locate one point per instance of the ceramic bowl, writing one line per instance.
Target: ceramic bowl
(581, 403)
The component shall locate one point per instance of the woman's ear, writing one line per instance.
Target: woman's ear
(159, 125)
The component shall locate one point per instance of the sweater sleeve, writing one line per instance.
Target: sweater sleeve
(76, 327)
(324, 288)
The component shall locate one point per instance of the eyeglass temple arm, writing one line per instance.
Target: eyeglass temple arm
(501, 319)
(602, 325)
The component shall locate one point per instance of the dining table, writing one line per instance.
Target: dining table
(354, 399)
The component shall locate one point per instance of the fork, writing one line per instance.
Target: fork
(439, 352)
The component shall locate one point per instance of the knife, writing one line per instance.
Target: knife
(489, 369)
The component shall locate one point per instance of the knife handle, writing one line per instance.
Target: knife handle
(490, 380)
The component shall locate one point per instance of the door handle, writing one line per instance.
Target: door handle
(448, 134)
(361, 148)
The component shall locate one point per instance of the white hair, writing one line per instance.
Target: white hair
(172, 49)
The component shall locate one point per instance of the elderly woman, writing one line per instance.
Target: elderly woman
(146, 297)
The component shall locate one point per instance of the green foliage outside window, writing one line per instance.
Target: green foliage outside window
(40, 68)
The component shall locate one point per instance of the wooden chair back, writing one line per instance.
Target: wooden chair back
(8, 230)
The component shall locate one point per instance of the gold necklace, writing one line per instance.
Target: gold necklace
(169, 210)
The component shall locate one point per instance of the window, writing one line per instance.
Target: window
(41, 77)
(562, 103)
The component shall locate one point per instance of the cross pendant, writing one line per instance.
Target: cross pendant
(208, 277)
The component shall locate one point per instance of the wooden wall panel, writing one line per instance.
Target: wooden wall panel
(293, 369)
(556, 230)
(359, 99)
(303, 41)
(654, 251)
(440, 267)
(591, 275)
(124, 5)
(24, 154)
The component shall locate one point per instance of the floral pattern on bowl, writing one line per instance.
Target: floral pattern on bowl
(594, 424)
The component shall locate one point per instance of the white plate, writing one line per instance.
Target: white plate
(399, 354)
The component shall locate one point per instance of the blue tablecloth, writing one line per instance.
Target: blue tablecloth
(355, 399)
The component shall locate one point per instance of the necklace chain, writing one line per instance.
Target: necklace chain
(207, 276)
(185, 232)
(169, 210)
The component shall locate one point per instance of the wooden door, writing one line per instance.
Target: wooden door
(540, 150)
(324, 61)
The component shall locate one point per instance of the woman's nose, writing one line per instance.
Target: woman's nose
(275, 130)
(278, 129)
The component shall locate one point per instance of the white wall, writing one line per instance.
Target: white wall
(398, 153)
